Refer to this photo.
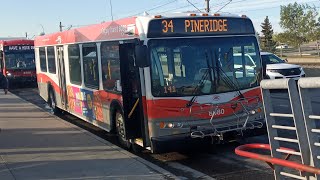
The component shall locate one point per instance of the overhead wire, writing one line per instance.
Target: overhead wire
(193, 5)
(159, 6)
(181, 7)
(264, 3)
(224, 6)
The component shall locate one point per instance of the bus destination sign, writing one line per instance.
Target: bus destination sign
(177, 27)
(18, 48)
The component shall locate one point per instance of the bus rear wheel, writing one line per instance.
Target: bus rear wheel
(52, 103)
(120, 128)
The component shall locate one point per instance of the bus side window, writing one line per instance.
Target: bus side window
(43, 61)
(51, 60)
(90, 65)
(1, 62)
(110, 61)
(74, 64)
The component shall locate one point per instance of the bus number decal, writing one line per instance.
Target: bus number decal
(169, 89)
(217, 112)
(167, 25)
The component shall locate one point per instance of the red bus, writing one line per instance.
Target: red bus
(17, 61)
(161, 82)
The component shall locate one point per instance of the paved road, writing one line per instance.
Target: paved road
(37, 145)
(312, 71)
(221, 164)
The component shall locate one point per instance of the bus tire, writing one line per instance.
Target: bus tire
(136, 148)
(52, 103)
(120, 130)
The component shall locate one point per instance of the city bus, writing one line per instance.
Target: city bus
(17, 60)
(161, 82)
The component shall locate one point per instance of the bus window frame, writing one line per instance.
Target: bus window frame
(95, 87)
(114, 43)
(81, 82)
(55, 60)
(45, 54)
(1, 61)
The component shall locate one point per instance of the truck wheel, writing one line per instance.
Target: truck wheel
(120, 128)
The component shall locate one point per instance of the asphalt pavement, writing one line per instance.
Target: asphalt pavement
(35, 144)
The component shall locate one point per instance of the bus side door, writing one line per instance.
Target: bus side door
(131, 93)
(62, 76)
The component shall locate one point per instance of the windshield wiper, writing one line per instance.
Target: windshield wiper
(225, 77)
(201, 82)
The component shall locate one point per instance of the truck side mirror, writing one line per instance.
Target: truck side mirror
(141, 53)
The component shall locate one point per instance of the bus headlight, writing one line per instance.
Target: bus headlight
(254, 111)
(9, 74)
(170, 125)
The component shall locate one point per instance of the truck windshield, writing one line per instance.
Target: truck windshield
(219, 64)
(20, 61)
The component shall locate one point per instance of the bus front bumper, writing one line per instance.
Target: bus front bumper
(183, 142)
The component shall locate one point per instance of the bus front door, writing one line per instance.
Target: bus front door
(131, 93)
(62, 76)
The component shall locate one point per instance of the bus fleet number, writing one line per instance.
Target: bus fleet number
(167, 26)
(217, 112)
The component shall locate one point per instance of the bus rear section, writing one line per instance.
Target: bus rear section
(161, 82)
(18, 61)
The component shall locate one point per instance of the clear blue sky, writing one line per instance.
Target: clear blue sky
(20, 16)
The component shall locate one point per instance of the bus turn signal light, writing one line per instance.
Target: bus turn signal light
(162, 124)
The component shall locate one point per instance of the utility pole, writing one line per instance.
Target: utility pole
(208, 6)
(318, 48)
(111, 10)
(60, 26)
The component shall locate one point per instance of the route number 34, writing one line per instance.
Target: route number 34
(167, 26)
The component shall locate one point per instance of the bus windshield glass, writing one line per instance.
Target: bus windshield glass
(200, 66)
(20, 61)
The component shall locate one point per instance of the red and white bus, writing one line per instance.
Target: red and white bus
(17, 61)
(161, 81)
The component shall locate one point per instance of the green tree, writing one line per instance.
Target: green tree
(299, 24)
(267, 43)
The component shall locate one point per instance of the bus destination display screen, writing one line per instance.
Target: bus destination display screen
(200, 26)
(18, 48)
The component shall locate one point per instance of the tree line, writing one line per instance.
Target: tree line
(299, 23)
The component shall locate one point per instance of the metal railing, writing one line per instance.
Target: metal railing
(303, 117)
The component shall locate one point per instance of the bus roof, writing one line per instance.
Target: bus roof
(127, 28)
(16, 42)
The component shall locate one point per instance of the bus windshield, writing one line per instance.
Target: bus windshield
(200, 66)
(20, 61)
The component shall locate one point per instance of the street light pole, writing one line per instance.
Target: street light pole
(42, 33)
(318, 48)
(208, 6)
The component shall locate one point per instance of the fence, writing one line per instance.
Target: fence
(292, 112)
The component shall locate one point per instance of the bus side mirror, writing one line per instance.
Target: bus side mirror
(142, 56)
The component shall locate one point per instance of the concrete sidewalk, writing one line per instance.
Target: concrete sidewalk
(37, 145)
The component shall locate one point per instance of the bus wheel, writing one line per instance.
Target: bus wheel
(52, 103)
(121, 130)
